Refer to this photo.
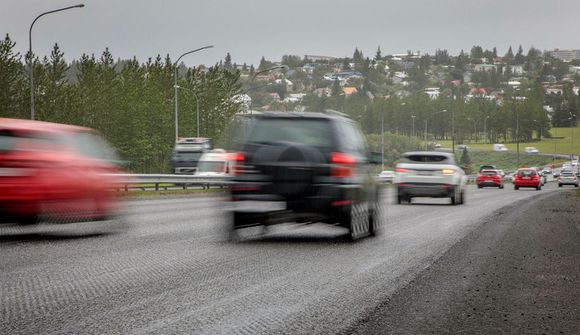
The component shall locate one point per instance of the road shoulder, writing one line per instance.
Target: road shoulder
(519, 272)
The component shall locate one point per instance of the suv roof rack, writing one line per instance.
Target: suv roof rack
(335, 112)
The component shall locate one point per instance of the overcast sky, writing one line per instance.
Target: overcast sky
(271, 28)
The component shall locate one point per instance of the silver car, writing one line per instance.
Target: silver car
(567, 178)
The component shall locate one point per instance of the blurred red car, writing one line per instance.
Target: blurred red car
(489, 178)
(527, 177)
(52, 171)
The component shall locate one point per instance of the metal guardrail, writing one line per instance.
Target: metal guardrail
(184, 181)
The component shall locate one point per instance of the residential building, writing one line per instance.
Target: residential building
(565, 54)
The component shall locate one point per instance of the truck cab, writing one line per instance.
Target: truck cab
(187, 153)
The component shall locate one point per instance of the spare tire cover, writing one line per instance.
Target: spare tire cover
(292, 167)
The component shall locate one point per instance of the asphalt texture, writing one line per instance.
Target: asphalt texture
(435, 268)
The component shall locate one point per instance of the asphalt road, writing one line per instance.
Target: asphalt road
(172, 271)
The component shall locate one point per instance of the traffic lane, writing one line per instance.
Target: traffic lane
(518, 273)
(292, 280)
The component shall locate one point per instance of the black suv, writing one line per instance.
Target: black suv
(305, 168)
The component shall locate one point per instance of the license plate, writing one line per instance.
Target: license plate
(424, 173)
(526, 178)
(258, 206)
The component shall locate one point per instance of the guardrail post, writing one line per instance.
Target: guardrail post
(156, 186)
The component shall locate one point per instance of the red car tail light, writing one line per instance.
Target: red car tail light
(238, 159)
(401, 170)
(343, 165)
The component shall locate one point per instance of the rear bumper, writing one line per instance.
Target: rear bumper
(425, 190)
(485, 183)
(326, 203)
(527, 183)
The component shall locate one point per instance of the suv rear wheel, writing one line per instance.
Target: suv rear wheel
(358, 222)
(376, 217)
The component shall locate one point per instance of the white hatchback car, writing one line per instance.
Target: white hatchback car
(431, 174)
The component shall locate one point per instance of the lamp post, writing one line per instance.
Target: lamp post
(176, 87)
(485, 129)
(383, 140)
(31, 61)
(439, 112)
(517, 133)
(572, 116)
(196, 106)
(413, 133)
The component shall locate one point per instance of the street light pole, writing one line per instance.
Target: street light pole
(517, 134)
(196, 105)
(176, 87)
(30, 59)
(413, 133)
(485, 129)
(572, 116)
(383, 140)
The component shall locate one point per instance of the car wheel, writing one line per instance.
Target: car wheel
(539, 187)
(462, 197)
(358, 221)
(516, 188)
(479, 186)
(501, 186)
(559, 185)
(376, 217)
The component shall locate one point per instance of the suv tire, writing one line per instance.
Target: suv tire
(358, 222)
(376, 217)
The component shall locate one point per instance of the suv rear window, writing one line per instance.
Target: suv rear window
(311, 132)
(430, 159)
(489, 173)
(567, 174)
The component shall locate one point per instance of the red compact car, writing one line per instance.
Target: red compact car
(527, 177)
(55, 173)
(489, 178)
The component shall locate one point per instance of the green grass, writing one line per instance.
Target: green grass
(560, 144)
(506, 160)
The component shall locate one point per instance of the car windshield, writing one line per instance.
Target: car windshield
(211, 166)
(312, 132)
(28, 141)
(567, 174)
(186, 156)
(489, 173)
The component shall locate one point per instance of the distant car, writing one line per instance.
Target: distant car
(489, 178)
(500, 147)
(214, 164)
(567, 178)
(55, 173)
(462, 147)
(429, 174)
(527, 177)
(501, 174)
(487, 167)
(386, 177)
(531, 150)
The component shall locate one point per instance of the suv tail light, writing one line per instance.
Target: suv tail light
(343, 165)
(401, 170)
